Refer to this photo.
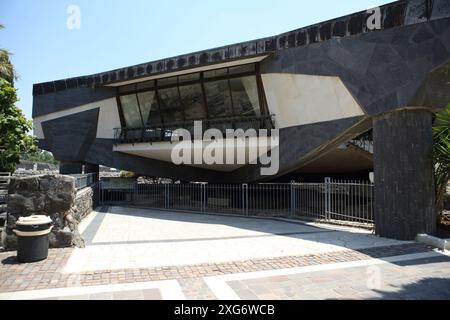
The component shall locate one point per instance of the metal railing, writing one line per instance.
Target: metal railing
(348, 201)
(364, 141)
(165, 132)
(5, 178)
(84, 180)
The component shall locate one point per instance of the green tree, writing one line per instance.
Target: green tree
(127, 174)
(441, 155)
(7, 71)
(39, 155)
(14, 139)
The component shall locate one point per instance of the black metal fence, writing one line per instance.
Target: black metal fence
(349, 201)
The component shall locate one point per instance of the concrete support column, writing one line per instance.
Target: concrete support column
(70, 167)
(403, 169)
(91, 168)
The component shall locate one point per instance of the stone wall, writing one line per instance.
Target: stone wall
(51, 195)
(85, 201)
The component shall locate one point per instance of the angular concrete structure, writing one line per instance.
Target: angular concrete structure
(321, 86)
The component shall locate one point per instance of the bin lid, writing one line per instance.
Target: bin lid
(33, 220)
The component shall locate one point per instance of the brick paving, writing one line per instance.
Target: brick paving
(48, 274)
(419, 279)
(196, 289)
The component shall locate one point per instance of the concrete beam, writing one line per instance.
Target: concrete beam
(70, 168)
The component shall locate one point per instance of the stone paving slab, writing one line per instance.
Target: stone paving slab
(418, 279)
(423, 275)
(231, 245)
(48, 273)
(123, 238)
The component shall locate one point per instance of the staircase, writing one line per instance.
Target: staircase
(362, 144)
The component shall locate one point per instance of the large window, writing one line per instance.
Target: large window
(227, 96)
(218, 99)
(132, 117)
(191, 97)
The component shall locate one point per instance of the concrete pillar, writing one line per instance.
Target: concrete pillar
(70, 167)
(92, 168)
(403, 169)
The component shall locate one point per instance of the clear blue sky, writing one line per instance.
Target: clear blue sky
(117, 33)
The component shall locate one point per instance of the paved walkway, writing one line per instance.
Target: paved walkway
(134, 238)
(144, 254)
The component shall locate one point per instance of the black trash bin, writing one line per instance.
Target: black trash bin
(32, 235)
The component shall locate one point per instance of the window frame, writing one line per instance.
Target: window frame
(263, 108)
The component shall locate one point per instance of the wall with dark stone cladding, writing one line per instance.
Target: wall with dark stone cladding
(383, 70)
(403, 167)
(70, 98)
(69, 138)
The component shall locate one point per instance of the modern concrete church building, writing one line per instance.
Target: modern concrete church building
(347, 95)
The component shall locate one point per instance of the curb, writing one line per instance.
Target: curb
(443, 244)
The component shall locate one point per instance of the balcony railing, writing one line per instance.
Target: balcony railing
(166, 131)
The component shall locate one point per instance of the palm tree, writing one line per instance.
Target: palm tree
(7, 71)
(441, 155)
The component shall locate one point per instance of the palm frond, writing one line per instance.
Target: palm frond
(441, 155)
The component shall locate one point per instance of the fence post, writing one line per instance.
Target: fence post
(327, 198)
(245, 198)
(100, 193)
(292, 202)
(203, 197)
(166, 195)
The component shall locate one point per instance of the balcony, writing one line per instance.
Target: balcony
(165, 132)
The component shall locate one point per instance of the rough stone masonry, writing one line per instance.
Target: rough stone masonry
(51, 195)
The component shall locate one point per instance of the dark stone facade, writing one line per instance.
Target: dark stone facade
(70, 137)
(404, 189)
(383, 70)
(54, 101)
(70, 167)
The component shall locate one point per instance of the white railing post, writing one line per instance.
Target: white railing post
(327, 198)
(245, 198)
(203, 200)
(166, 195)
(293, 204)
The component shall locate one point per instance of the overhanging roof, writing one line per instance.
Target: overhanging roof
(395, 14)
(210, 66)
